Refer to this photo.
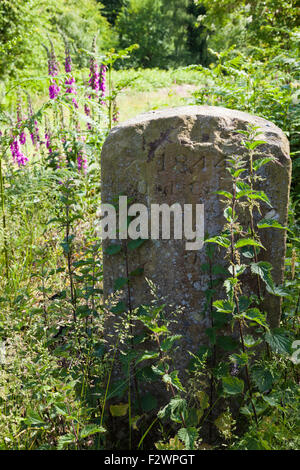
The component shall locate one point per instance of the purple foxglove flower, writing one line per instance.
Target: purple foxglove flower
(94, 71)
(18, 156)
(53, 90)
(68, 61)
(103, 82)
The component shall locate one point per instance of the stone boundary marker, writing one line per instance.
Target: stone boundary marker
(178, 155)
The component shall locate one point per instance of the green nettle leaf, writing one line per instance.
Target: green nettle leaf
(224, 306)
(263, 270)
(173, 380)
(113, 249)
(254, 314)
(244, 303)
(175, 409)
(64, 440)
(247, 242)
(34, 419)
(261, 196)
(224, 193)
(120, 283)
(228, 214)
(279, 340)
(279, 291)
(262, 378)
(232, 385)
(147, 355)
(229, 285)
(238, 269)
(91, 429)
(248, 251)
(252, 145)
(220, 240)
(169, 342)
(188, 436)
(257, 164)
(270, 223)
(239, 359)
(250, 341)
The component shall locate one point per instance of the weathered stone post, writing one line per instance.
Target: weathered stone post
(178, 156)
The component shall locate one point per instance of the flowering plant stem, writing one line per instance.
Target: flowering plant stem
(4, 220)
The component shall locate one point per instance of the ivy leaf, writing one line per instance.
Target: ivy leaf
(232, 385)
(279, 340)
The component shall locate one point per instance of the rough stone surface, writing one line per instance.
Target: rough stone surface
(178, 155)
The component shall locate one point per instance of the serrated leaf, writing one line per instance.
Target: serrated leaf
(224, 306)
(64, 440)
(232, 385)
(220, 240)
(262, 378)
(188, 436)
(257, 164)
(255, 315)
(91, 429)
(247, 242)
(263, 270)
(169, 342)
(279, 340)
(270, 223)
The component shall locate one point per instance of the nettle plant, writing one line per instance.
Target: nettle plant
(243, 310)
(239, 365)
